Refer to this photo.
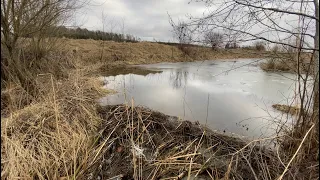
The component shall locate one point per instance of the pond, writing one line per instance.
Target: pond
(229, 96)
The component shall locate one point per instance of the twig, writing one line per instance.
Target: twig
(279, 157)
(103, 144)
(229, 169)
(118, 176)
(186, 155)
(257, 140)
(181, 175)
(191, 161)
(210, 175)
(254, 173)
(295, 154)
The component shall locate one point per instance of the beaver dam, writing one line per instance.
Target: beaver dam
(138, 143)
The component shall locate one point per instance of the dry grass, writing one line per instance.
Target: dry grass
(300, 149)
(61, 134)
(287, 109)
(287, 62)
(51, 135)
(52, 138)
(148, 52)
(276, 65)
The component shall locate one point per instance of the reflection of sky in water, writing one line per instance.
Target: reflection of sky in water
(239, 100)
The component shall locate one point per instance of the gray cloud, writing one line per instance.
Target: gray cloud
(147, 19)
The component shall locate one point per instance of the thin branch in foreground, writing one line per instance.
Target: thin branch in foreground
(295, 154)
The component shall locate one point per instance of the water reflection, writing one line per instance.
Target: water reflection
(239, 101)
(178, 78)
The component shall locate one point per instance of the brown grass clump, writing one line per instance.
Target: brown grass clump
(277, 65)
(13, 98)
(287, 62)
(53, 138)
(287, 109)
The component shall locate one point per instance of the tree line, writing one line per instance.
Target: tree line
(83, 33)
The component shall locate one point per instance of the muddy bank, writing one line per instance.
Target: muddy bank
(122, 69)
(141, 143)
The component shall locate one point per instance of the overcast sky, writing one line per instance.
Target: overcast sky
(147, 19)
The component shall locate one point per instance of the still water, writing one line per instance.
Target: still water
(229, 96)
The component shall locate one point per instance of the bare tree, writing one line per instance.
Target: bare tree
(122, 28)
(33, 19)
(214, 39)
(112, 26)
(103, 22)
(182, 33)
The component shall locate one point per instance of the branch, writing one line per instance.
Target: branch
(281, 29)
(263, 38)
(295, 154)
(278, 10)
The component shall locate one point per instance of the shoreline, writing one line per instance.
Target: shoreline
(62, 129)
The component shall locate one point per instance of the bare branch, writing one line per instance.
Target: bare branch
(277, 10)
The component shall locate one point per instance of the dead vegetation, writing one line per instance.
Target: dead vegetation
(60, 133)
(52, 128)
(53, 137)
(148, 52)
(286, 109)
(138, 143)
(24, 83)
(287, 62)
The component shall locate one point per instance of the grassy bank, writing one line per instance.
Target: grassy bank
(149, 52)
(60, 132)
(288, 62)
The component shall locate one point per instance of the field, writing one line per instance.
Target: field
(150, 52)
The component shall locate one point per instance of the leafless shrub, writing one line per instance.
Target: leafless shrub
(184, 36)
(214, 39)
(29, 23)
(231, 45)
(260, 46)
